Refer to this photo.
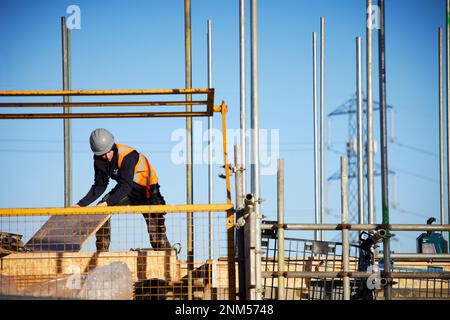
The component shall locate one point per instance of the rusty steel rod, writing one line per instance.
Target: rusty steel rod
(100, 104)
(121, 92)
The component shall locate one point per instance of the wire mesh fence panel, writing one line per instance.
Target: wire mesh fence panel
(420, 288)
(323, 256)
(119, 256)
(306, 255)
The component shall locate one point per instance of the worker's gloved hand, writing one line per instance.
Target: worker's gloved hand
(102, 204)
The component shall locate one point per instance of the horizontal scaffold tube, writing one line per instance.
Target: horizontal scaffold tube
(100, 104)
(7, 212)
(359, 227)
(337, 274)
(35, 93)
(209, 102)
(418, 256)
(105, 115)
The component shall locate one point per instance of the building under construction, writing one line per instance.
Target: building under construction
(228, 248)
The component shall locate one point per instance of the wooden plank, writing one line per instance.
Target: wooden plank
(148, 264)
(66, 233)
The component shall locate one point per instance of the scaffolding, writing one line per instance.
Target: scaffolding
(137, 273)
(271, 266)
(324, 270)
(310, 270)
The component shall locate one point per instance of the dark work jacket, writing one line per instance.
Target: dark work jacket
(105, 170)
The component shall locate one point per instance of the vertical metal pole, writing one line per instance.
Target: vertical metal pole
(441, 130)
(249, 228)
(384, 150)
(360, 131)
(69, 110)
(322, 124)
(210, 157)
(67, 123)
(317, 234)
(230, 213)
(345, 232)
(189, 156)
(242, 92)
(447, 78)
(240, 242)
(255, 143)
(369, 113)
(250, 246)
(280, 210)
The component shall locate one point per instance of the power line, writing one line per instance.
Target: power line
(88, 151)
(397, 208)
(417, 214)
(433, 180)
(430, 179)
(416, 175)
(423, 151)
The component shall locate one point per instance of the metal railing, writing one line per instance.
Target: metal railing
(210, 269)
(209, 103)
(62, 269)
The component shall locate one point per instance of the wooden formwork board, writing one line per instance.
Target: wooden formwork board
(142, 264)
(37, 268)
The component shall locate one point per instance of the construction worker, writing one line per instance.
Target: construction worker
(137, 184)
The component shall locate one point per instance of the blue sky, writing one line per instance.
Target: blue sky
(140, 44)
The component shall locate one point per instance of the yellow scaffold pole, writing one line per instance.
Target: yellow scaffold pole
(6, 212)
(230, 212)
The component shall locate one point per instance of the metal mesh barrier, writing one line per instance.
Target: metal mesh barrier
(423, 287)
(323, 256)
(65, 257)
(306, 255)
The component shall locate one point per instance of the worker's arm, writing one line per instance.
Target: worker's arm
(124, 179)
(101, 180)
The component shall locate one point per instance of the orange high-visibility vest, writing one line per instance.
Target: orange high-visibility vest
(144, 174)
